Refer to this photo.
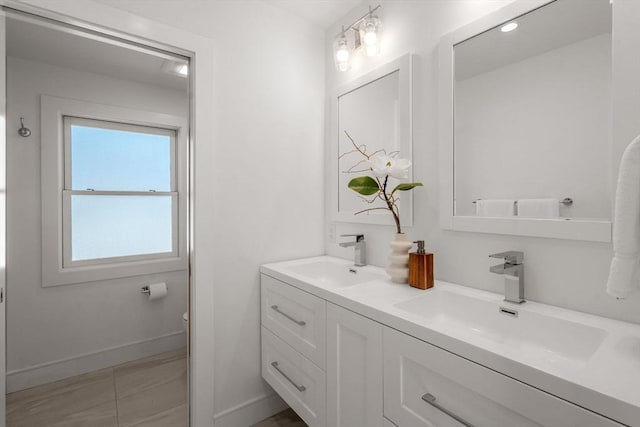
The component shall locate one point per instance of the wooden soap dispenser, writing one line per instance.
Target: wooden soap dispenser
(421, 267)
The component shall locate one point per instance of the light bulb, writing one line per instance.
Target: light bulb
(342, 55)
(370, 35)
(341, 52)
(370, 38)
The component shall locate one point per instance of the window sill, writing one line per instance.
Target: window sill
(55, 276)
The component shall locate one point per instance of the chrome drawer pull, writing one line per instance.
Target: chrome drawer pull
(299, 322)
(299, 387)
(431, 400)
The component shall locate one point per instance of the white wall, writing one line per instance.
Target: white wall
(53, 324)
(565, 273)
(518, 129)
(268, 114)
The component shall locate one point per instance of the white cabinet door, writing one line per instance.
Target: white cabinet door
(425, 386)
(354, 369)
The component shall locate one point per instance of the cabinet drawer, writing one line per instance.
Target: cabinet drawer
(427, 386)
(297, 317)
(295, 378)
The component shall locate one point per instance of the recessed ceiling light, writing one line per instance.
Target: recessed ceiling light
(183, 69)
(177, 68)
(509, 27)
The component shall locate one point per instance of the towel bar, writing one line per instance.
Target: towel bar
(567, 201)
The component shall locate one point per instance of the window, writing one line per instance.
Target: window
(113, 192)
(120, 193)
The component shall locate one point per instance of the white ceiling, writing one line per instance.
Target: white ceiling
(34, 42)
(321, 12)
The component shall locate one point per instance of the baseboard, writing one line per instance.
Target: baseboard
(44, 373)
(250, 412)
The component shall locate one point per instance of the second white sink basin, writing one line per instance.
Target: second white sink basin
(333, 274)
(507, 327)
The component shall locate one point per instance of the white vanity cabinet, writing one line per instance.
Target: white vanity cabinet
(301, 334)
(354, 369)
(427, 386)
(338, 368)
(293, 348)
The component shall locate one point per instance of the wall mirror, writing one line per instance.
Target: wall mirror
(526, 121)
(375, 111)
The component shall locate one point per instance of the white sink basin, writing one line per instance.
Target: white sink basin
(333, 274)
(481, 321)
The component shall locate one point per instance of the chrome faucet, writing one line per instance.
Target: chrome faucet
(359, 249)
(513, 271)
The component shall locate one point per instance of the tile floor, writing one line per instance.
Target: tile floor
(150, 392)
(286, 418)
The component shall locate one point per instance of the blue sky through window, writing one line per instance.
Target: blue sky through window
(105, 226)
(110, 159)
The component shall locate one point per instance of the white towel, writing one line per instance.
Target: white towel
(623, 275)
(539, 208)
(495, 207)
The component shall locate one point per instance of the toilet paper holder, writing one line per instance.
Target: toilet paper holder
(155, 291)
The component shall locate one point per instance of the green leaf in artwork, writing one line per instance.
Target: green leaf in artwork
(406, 186)
(364, 185)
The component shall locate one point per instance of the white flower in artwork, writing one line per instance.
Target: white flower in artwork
(383, 165)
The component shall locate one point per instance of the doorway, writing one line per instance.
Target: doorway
(98, 189)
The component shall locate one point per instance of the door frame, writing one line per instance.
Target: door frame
(116, 24)
(3, 220)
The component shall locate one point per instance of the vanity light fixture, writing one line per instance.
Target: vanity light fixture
(509, 27)
(366, 35)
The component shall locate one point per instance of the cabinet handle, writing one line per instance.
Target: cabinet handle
(431, 400)
(299, 322)
(299, 387)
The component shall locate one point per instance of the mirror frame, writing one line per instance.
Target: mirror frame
(403, 65)
(562, 228)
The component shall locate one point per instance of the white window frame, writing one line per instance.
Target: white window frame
(57, 266)
(68, 192)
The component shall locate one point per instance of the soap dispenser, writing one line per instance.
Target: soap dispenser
(421, 267)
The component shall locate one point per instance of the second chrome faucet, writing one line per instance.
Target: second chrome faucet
(513, 271)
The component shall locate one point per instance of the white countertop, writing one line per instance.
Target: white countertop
(608, 382)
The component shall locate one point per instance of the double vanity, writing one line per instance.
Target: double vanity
(346, 347)
(522, 115)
